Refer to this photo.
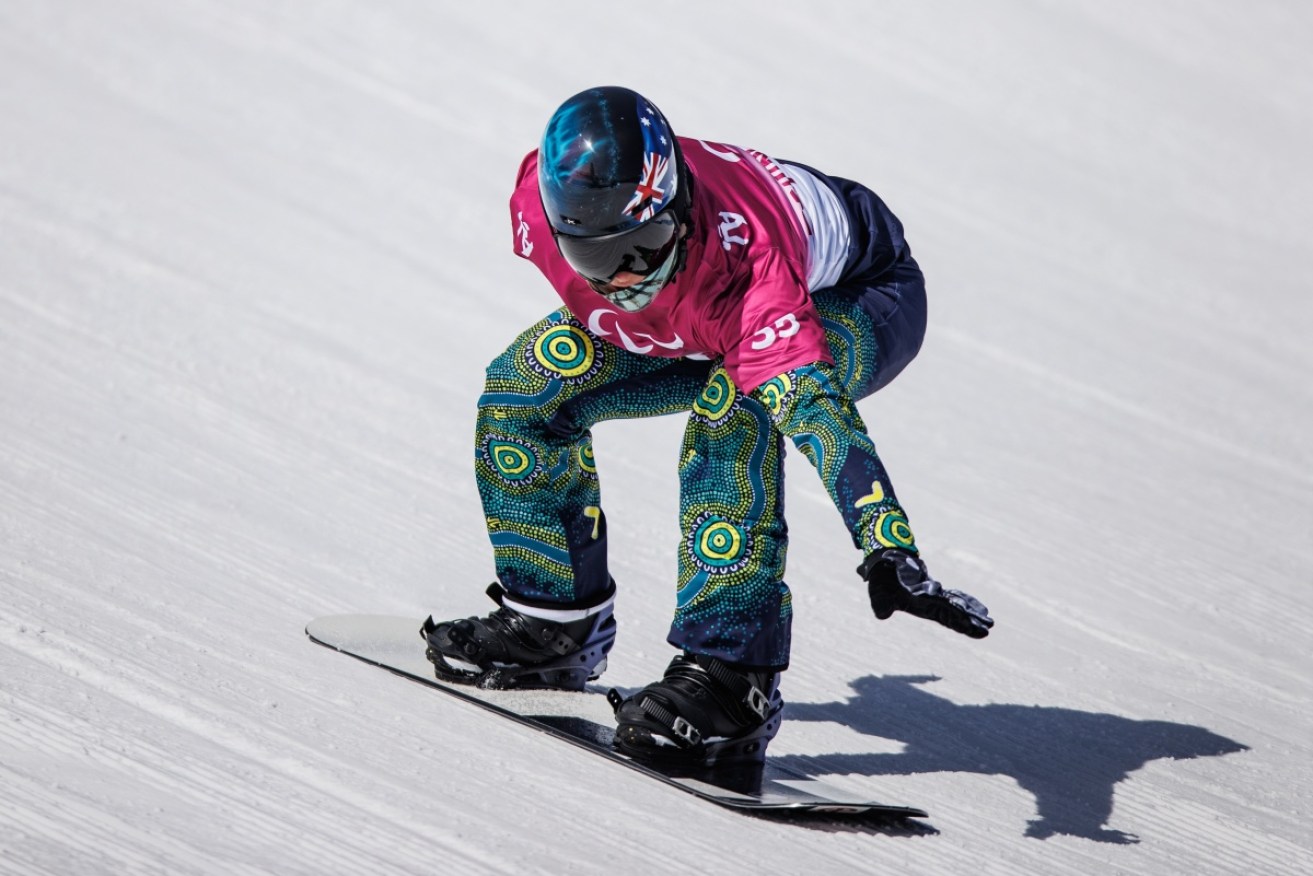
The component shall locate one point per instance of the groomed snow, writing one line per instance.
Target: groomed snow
(254, 257)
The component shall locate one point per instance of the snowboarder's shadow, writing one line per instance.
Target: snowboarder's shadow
(1070, 760)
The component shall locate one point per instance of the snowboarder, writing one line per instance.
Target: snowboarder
(762, 297)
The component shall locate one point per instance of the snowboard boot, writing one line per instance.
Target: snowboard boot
(703, 713)
(522, 646)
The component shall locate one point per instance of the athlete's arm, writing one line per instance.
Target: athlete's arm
(809, 405)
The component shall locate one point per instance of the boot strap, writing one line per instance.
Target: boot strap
(748, 693)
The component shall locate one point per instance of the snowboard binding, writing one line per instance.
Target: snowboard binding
(702, 713)
(512, 648)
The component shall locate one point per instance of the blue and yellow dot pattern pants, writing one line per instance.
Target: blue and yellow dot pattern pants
(539, 484)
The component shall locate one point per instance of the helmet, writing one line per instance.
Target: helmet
(616, 192)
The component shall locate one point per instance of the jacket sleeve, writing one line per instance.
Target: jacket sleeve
(810, 406)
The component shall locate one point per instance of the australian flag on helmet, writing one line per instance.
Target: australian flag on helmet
(607, 162)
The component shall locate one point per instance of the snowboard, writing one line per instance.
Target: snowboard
(585, 719)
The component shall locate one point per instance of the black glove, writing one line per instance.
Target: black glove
(898, 581)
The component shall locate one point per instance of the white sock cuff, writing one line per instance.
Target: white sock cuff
(559, 615)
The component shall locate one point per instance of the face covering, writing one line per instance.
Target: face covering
(632, 299)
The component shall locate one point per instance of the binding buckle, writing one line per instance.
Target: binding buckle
(686, 731)
(757, 701)
(687, 735)
(755, 698)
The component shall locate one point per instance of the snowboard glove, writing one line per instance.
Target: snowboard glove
(899, 581)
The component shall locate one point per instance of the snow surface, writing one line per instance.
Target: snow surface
(254, 257)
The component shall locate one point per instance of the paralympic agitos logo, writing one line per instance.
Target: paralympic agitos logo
(632, 343)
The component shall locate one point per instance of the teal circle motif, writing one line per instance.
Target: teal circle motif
(892, 530)
(513, 461)
(717, 398)
(775, 392)
(719, 546)
(587, 462)
(564, 351)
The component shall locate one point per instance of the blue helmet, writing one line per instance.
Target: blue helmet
(616, 191)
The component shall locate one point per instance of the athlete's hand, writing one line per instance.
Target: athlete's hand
(898, 581)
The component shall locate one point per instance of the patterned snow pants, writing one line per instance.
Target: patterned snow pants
(539, 483)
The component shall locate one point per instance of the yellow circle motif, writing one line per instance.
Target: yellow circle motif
(774, 391)
(565, 349)
(893, 530)
(512, 460)
(717, 397)
(720, 541)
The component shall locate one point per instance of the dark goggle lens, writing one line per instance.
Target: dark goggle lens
(638, 250)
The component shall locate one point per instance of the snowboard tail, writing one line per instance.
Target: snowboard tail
(584, 720)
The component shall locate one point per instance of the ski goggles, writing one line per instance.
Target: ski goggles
(641, 250)
(639, 295)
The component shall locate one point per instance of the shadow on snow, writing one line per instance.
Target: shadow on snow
(1069, 760)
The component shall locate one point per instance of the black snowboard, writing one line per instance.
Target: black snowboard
(584, 719)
